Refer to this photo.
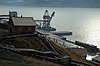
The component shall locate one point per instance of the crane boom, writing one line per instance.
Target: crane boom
(51, 17)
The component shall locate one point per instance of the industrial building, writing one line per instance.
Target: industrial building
(21, 25)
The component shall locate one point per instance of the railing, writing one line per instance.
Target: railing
(58, 42)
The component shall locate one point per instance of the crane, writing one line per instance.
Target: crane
(44, 24)
(47, 18)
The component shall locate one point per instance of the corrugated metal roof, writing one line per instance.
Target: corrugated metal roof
(23, 21)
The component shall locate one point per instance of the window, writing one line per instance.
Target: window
(29, 28)
(20, 28)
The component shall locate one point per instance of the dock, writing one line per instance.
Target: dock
(57, 39)
(64, 43)
(61, 33)
(90, 48)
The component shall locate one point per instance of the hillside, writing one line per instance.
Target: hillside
(32, 43)
(8, 58)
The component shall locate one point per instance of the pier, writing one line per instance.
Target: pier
(64, 43)
(61, 33)
(57, 39)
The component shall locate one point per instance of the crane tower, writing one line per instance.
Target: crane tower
(47, 19)
(44, 24)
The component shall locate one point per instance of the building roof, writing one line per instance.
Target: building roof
(23, 21)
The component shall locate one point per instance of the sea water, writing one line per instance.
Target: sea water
(84, 23)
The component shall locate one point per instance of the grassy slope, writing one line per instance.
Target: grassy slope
(29, 43)
(39, 62)
(72, 55)
(36, 43)
(25, 42)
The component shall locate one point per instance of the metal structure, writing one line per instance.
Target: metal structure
(11, 14)
(47, 19)
(45, 23)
